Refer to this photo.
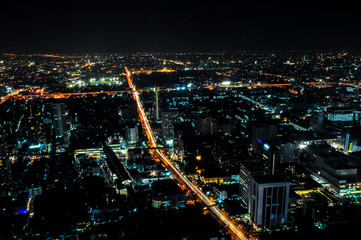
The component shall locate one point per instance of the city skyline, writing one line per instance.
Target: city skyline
(234, 145)
(180, 120)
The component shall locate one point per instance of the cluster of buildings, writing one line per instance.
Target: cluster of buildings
(272, 138)
(281, 152)
(289, 135)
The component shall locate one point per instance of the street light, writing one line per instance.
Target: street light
(302, 146)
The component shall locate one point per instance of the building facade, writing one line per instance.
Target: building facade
(268, 201)
(61, 130)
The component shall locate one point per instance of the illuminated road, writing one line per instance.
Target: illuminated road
(58, 95)
(22, 94)
(159, 156)
(12, 94)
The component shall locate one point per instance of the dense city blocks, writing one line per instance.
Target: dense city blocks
(180, 145)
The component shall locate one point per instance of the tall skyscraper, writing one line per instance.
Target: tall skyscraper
(247, 170)
(35, 126)
(269, 155)
(156, 104)
(268, 201)
(168, 119)
(61, 130)
(131, 134)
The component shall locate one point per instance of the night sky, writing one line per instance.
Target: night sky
(126, 26)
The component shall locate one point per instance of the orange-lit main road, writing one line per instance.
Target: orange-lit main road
(19, 94)
(235, 232)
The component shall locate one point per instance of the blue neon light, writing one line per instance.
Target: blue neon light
(20, 210)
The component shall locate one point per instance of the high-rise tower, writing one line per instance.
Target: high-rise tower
(61, 130)
(156, 103)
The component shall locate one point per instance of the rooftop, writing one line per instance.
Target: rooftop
(262, 179)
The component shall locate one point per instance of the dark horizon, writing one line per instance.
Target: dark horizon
(150, 26)
(230, 51)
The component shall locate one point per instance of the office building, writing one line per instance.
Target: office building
(60, 126)
(339, 172)
(268, 201)
(131, 134)
(340, 114)
(169, 118)
(351, 140)
(247, 170)
(269, 155)
(35, 125)
(156, 104)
